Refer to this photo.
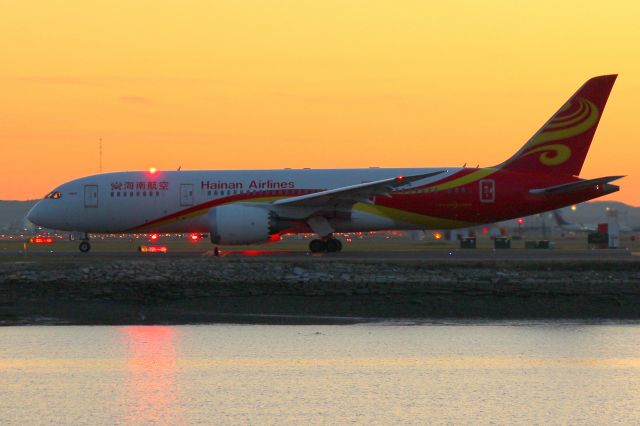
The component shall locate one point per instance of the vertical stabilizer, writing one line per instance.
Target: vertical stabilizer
(561, 145)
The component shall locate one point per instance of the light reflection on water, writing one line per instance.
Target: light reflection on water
(365, 374)
(151, 387)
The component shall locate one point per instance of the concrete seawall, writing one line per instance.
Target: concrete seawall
(109, 291)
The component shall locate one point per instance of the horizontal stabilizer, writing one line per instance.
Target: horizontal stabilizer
(573, 186)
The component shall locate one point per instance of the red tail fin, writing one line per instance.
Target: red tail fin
(561, 145)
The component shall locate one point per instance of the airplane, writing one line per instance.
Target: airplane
(572, 227)
(583, 227)
(238, 207)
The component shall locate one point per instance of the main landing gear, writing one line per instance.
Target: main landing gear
(84, 244)
(329, 244)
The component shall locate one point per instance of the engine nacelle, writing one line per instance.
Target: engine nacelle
(241, 224)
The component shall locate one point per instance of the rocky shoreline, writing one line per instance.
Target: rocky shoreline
(180, 291)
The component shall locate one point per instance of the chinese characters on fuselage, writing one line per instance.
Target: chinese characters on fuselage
(142, 185)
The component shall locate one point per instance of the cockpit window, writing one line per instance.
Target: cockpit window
(54, 195)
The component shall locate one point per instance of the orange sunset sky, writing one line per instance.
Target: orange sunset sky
(269, 84)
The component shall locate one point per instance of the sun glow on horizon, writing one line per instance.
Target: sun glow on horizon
(244, 85)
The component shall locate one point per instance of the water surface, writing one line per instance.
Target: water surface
(526, 373)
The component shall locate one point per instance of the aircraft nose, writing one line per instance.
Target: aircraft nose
(34, 215)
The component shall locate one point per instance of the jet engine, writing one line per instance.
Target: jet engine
(241, 224)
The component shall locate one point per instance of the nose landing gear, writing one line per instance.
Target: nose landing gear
(84, 244)
(328, 244)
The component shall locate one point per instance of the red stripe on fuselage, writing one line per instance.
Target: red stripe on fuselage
(461, 202)
(247, 196)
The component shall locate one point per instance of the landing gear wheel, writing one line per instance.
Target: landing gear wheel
(317, 246)
(84, 246)
(333, 245)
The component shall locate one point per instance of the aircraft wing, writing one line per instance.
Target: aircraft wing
(349, 195)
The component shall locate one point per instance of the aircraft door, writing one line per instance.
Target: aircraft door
(91, 195)
(487, 191)
(186, 194)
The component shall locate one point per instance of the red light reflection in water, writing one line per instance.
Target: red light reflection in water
(249, 253)
(255, 252)
(151, 388)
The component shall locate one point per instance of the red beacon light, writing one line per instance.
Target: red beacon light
(153, 237)
(520, 221)
(195, 237)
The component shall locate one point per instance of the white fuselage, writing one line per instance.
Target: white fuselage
(138, 201)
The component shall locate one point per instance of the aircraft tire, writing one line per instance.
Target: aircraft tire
(84, 247)
(317, 246)
(333, 245)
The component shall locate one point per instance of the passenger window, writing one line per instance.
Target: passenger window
(112, 194)
(209, 194)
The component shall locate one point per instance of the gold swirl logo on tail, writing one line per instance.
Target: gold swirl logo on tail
(552, 154)
(572, 120)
